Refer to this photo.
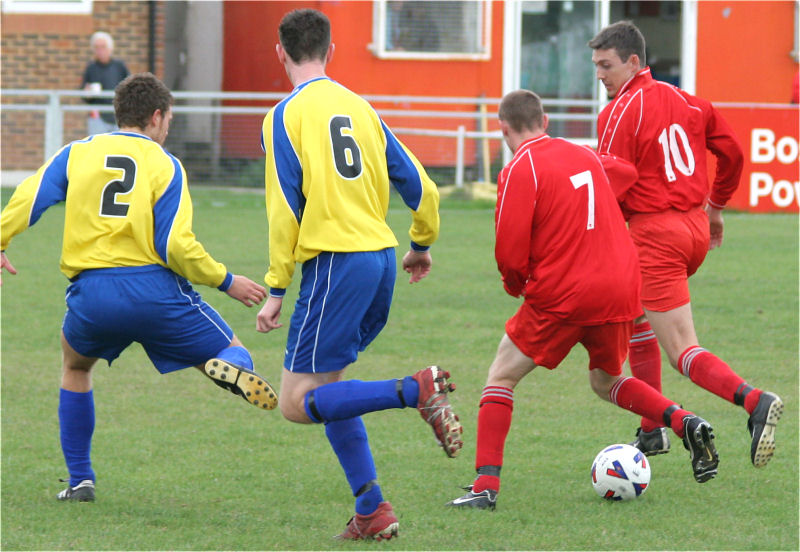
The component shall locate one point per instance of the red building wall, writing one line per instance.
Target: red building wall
(251, 32)
(743, 55)
(743, 51)
(250, 64)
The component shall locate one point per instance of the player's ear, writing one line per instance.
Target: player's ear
(504, 128)
(159, 116)
(155, 118)
(329, 55)
(281, 53)
(545, 121)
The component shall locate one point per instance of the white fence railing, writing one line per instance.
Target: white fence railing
(198, 129)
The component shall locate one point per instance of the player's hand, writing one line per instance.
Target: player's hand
(246, 290)
(5, 263)
(716, 226)
(270, 313)
(418, 264)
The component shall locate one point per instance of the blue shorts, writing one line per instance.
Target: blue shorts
(109, 308)
(343, 304)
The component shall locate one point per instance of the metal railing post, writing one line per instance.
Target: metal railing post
(53, 126)
(460, 156)
(486, 160)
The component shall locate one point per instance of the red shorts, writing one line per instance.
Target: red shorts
(547, 341)
(672, 245)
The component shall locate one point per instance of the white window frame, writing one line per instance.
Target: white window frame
(378, 45)
(44, 7)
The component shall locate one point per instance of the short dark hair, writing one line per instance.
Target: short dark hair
(139, 96)
(624, 37)
(522, 110)
(305, 35)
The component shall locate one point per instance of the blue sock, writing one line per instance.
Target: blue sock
(76, 423)
(350, 398)
(410, 391)
(237, 355)
(349, 441)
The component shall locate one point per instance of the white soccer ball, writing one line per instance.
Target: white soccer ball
(620, 472)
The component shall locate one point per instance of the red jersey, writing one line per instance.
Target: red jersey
(561, 240)
(664, 132)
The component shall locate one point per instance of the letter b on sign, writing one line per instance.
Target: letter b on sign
(764, 149)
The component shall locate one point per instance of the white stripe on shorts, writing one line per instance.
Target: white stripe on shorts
(321, 315)
(308, 310)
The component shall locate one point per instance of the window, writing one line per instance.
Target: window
(660, 23)
(555, 62)
(48, 6)
(430, 29)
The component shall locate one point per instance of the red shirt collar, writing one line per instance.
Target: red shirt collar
(534, 140)
(640, 77)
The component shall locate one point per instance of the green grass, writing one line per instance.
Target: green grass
(184, 466)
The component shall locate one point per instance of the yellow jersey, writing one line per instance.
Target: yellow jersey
(330, 160)
(127, 204)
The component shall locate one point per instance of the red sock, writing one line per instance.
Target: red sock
(676, 421)
(494, 421)
(484, 482)
(638, 397)
(751, 400)
(645, 360)
(712, 374)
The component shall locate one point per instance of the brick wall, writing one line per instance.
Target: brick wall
(51, 52)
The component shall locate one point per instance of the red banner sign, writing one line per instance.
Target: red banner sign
(769, 136)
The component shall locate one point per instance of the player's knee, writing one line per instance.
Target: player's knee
(77, 379)
(292, 409)
(287, 410)
(79, 369)
(600, 390)
(601, 382)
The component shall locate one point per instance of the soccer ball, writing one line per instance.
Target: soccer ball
(620, 472)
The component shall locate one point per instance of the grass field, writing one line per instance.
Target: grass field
(184, 466)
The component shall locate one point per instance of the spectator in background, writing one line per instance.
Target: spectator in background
(102, 73)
